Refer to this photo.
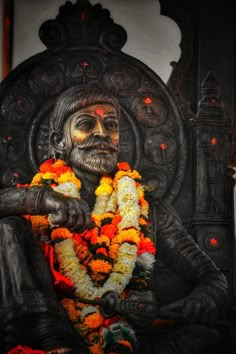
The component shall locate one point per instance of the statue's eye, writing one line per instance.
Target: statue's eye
(111, 124)
(85, 123)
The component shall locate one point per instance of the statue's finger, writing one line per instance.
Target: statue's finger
(173, 307)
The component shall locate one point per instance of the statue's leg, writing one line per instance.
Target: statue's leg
(182, 340)
(29, 308)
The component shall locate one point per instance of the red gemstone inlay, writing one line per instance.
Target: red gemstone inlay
(213, 100)
(85, 64)
(83, 16)
(16, 174)
(163, 146)
(214, 141)
(100, 111)
(9, 138)
(214, 242)
(148, 100)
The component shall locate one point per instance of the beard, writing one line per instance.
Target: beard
(91, 158)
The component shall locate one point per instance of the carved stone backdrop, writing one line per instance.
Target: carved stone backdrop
(85, 48)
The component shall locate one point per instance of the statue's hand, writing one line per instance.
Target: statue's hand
(66, 211)
(196, 308)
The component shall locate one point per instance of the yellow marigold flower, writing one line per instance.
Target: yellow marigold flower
(140, 192)
(94, 320)
(61, 232)
(100, 266)
(106, 180)
(37, 180)
(107, 215)
(130, 235)
(69, 177)
(97, 219)
(50, 175)
(144, 207)
(132, 174)
(104, 189)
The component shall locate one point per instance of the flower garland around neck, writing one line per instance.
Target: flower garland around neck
(116, 254)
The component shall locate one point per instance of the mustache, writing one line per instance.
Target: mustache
(97, 143)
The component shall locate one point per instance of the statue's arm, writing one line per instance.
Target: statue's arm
(20, 201)
(179, 251)
(64, 210)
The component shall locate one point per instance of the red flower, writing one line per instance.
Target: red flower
(25, 350)
(146, 245)
(102, 250)
(123, 166)
(108, 230)
(60, 280)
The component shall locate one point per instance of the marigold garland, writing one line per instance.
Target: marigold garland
(104, 257)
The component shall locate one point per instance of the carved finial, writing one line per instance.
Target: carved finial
(82, 3)
(210, 106)
(80, 24)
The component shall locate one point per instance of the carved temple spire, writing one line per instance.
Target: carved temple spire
(210, 106)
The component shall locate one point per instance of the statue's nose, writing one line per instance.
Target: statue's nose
(99, 130)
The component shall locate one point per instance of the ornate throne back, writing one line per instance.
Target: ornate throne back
(84, 47)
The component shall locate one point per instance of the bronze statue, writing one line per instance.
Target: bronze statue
(85, 134)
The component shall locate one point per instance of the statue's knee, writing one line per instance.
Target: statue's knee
(11, 229)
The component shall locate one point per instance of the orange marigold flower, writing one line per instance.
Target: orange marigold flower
(128, 235)
(126, 343)
(96, 348)
(93, 337)
(103, 239)
(82, 251)
(113, 251)
(142, 221)
(94, 320)
(100, 266)
(97, 277)
(69, 306)
(40, 224)
(61, 232)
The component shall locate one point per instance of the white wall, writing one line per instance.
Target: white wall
(155, 41)
(1, 34)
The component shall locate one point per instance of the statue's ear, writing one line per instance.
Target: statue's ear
(57, 142)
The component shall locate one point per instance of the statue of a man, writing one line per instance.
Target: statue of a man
(85, 133)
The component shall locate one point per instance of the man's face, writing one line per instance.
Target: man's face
(94, 132)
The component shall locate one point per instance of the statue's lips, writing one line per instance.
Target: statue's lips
(100, 148)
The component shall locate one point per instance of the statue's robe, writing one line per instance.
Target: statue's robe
(27, 288)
